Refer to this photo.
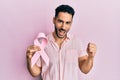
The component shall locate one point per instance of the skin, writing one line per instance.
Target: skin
(62, 25)
(35, 70)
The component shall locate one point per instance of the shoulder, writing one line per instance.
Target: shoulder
(76, 42)
(75, 39)
(50, 37)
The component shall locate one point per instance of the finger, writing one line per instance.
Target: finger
(32, 49)
(29, 56)
(92, 50)
(91, 45)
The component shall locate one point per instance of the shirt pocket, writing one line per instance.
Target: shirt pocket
(71, 56)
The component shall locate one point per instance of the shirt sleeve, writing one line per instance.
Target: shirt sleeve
(80, 47)
(82, 50)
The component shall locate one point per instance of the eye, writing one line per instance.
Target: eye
(60, 21)
(68, 23)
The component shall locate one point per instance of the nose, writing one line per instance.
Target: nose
(63, 25)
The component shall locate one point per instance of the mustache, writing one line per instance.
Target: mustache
(62, 30)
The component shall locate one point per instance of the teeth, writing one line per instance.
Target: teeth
(62, 32)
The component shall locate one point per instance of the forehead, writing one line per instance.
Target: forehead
(64, 16)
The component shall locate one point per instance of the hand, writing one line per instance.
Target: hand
(91, 49)
(31, 50)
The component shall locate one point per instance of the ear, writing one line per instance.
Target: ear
(53, 20)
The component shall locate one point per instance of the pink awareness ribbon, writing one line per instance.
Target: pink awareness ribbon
(40, 41)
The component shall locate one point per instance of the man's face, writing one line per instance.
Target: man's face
(62, 24)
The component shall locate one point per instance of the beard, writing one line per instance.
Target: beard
(61, 33)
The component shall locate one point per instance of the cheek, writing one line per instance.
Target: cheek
(58, 25)
(68, 28)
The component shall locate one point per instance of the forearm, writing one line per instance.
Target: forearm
(35, 70)
(86, 65)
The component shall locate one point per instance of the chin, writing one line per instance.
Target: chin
(62, 36)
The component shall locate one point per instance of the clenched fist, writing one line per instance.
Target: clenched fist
(91, 49)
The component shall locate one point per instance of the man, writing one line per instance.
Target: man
(64, 51)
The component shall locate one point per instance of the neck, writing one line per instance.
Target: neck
(58, 40)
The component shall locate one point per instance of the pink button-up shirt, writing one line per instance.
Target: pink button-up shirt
(63, 63)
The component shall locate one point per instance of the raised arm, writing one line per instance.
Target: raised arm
(86, 62)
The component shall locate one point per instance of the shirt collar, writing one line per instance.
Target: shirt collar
(51, 38)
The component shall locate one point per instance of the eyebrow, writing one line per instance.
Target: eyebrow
(63, 21)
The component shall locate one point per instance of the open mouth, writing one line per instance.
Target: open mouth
(62, 32)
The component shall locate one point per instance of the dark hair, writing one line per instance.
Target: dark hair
(64, 8)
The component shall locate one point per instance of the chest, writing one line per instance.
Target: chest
(68, 54)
